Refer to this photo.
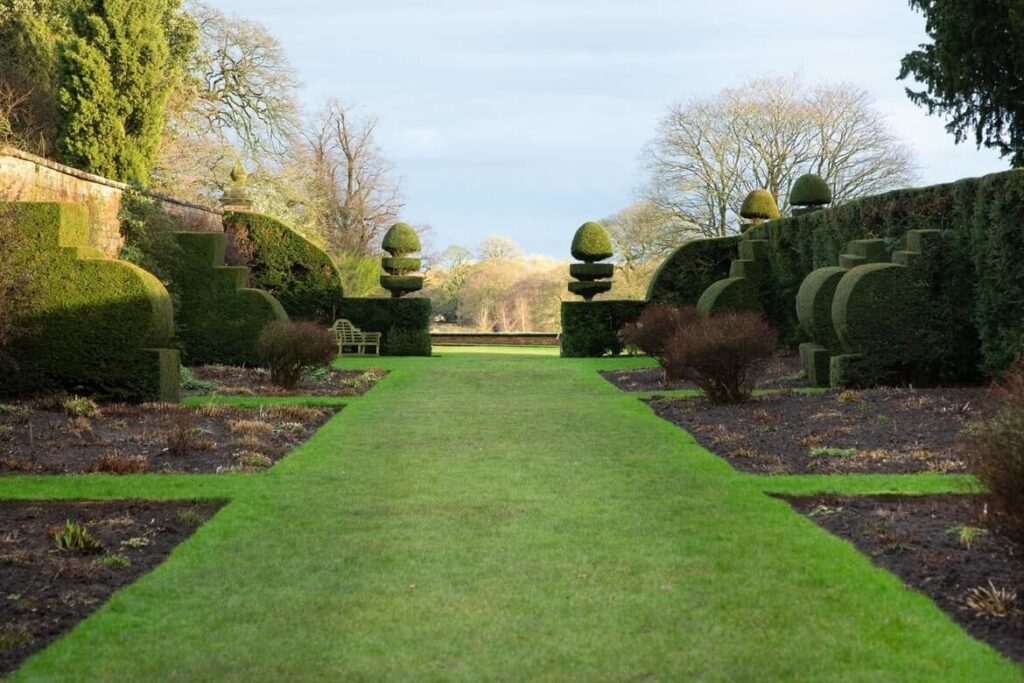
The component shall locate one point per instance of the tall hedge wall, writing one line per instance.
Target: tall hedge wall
(219, 318)
(94, 325)
(284, 263)
(591, 328)
(691, 269)
(405, 323)
(979, 279)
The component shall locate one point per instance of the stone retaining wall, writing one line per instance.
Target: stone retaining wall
(28, 178)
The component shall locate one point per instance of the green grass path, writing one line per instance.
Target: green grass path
(484, 516)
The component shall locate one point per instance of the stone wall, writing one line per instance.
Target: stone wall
(28, 178)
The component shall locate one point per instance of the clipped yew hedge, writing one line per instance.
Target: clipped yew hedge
(93, 325)
(404, 323)
(282, 262)
(691, 269)
(591, 328)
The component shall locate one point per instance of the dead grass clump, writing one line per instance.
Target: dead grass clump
(121, 464)
(250, 427)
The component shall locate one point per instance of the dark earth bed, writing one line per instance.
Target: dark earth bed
(922, 540)
(227, 380)
(781, 372)
(891, 431)
(41, 438)
(45, 591)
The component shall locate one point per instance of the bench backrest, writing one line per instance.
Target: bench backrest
(347, 332)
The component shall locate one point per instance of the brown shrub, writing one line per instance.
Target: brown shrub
(183, 437)
(657, 324)
(289, 347)
(995, 454)
(723, 355)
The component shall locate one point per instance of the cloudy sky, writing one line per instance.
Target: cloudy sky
(525, 118)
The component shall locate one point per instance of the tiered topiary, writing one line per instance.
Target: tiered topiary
(758, 207)
(236, 198)
(809, 193)
(401, 241)
(590, 245)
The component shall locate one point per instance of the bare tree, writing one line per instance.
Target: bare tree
(239, 103)
(495, 247)
(708, 154)
(352, 195)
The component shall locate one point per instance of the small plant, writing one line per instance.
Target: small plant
(967, 535)
(19, 413)
(829, 452)
(253, 459)
(995, 454)
(191, 516)
(991, 601)
(115, 463)
(115, 561)
(723, 354)
(288, 348)
(183, 437)
(135, 542)
(13, 636)
(75, 537)
(189, 382)
(320, 374)
(79, 406)
(290, 428)
(250, 427)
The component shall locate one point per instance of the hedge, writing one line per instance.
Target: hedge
(219, 319)
(284, 263)
(974, 281)
(591, 328)
(691, 269)
(405, 322)
(94, 325)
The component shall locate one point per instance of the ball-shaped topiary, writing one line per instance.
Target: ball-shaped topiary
(591, 243)
(759, 206)
(401, 240)
(810, 190)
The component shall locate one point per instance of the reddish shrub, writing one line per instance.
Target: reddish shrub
(996, 454)
(723, 354)
(657, 324)
(288, 347)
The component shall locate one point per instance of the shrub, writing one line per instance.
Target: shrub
(656, 327)
(591, 329)
(288, 347)
(401, 241)
(79, 406)
(405, 323)
(691, 269)
(723, 354)
(996, 454)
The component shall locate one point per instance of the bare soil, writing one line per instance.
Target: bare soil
(238, 381)
(45, 591)
(873, 431)
(41, 437)
(780, 372)
(938, 545)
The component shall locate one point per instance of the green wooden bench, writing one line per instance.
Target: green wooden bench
(351, 337)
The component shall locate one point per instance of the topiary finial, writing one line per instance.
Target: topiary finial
(591, 243)
(810, 190)
(759, 206)
(239, 176)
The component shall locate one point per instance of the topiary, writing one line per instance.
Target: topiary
(401, 240)
(759, 206)
(810, 190)
(591, 243)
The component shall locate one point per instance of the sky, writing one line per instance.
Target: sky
(526, 118)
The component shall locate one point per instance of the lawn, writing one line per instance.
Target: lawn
(507, 515)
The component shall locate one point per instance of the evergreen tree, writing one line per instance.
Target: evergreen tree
(117, 70)
(973, 70)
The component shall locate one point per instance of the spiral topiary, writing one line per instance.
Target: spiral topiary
(400, 241)
(591, 244)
